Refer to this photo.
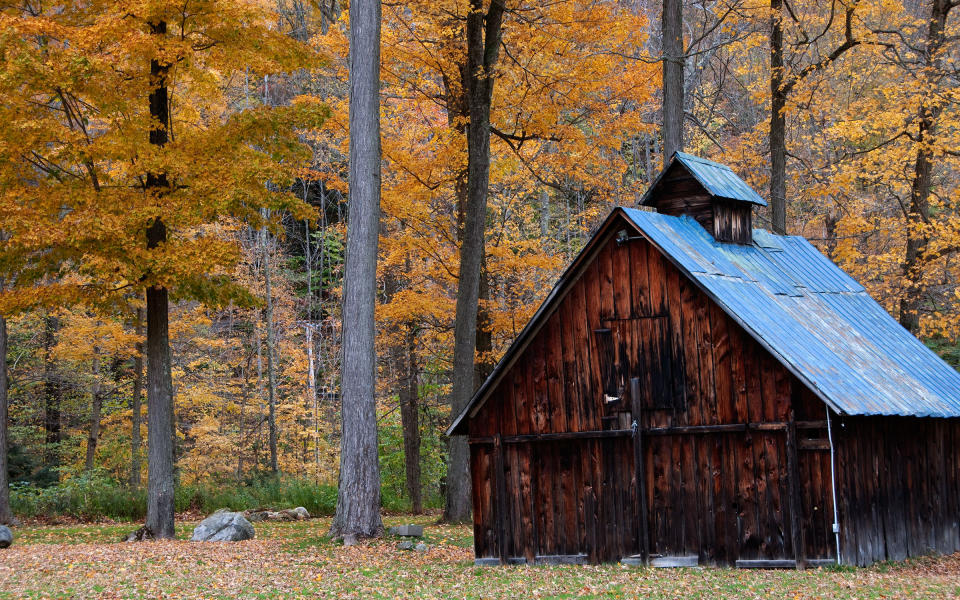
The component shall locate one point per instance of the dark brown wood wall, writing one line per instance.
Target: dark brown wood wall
(899, 487)
(721, 495)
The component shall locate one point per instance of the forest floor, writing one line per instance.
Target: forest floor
(297, 560)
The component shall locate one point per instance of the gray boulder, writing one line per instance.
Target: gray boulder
(421, 547)
(407, 530)
(6, 536)
(290, 514)
(223, 526)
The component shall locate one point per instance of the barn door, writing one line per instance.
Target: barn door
(646, 376)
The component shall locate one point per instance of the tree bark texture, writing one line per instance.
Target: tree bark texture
(271, 349)
(778, 123)
(483, 31)
(136, 404)
(409, 396)
(358, 498)
(918, 217)
(160, 427)
(673, 65)
(6, 515)
(483, 365)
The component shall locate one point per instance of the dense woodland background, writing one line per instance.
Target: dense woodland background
(871, 119)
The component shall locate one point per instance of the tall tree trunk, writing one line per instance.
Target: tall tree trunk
(96, 404)
(673, 64)
(160, 484)
(918, 217)
(778, 123)
(404, 359)
(6, 515)
(52, 392)
(409, 395)
(484, 364)
(483, 31)
(271, 348)
(135, 405)
(358, 498)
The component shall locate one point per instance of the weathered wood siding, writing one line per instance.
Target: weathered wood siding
(633, 324)
(732, 222)
(898, 487)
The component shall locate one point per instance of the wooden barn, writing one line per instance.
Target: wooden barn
(696, 391)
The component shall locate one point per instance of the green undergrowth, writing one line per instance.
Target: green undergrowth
(95, 497)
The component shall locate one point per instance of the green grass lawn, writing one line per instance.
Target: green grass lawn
(298, 560)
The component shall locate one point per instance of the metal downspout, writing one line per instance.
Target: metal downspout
(833, 487)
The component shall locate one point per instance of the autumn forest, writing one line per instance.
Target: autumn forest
(178, 182)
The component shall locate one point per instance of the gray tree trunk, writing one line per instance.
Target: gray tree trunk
(160, 427)
(483, 46)
(96, 404)
(6, 515)
(271, 349)
(136, 405)
(778, 123)
(358, 498)
(673, 64)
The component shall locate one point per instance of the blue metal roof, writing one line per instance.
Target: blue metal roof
(819, 322)
(719, 180)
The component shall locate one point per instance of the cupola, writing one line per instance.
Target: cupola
(709, 192)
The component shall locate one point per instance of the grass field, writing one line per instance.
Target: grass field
(297, 560)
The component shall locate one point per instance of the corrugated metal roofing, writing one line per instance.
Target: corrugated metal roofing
(719, 180)
(818, 321)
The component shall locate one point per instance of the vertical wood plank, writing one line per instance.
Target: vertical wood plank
(643, 526)
(503, 529)
(794, 504)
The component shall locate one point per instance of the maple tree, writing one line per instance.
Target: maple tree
(121, 199)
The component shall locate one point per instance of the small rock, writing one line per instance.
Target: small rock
(301, 513)
(408, 530)
(405, 546)
(223, 526)
(6, 536)
(255, 516)
(421, 547)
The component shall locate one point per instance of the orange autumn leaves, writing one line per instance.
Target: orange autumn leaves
(569, 95)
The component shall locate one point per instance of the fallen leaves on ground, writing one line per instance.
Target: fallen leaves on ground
(297, 560)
